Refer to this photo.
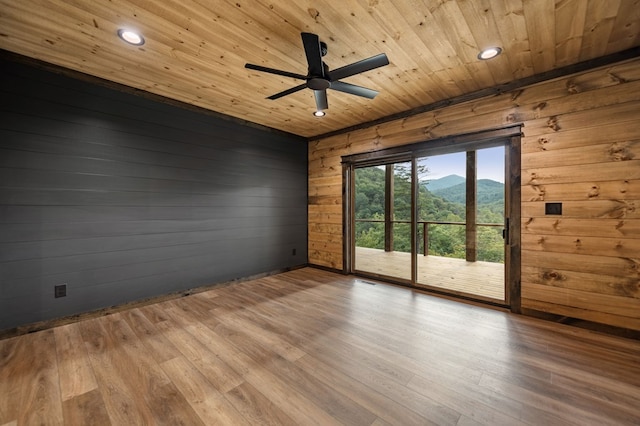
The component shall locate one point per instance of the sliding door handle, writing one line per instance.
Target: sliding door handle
(505, 231)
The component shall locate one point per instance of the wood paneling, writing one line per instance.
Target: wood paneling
(122, 198)
(195, 52)
(311, 347)
(579, 147)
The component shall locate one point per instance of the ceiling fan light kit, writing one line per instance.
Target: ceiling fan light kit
(319, 78)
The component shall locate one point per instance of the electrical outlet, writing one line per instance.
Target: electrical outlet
(553, 208)
(60, 290)
(293, 252)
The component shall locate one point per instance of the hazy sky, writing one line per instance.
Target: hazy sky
(490, 164)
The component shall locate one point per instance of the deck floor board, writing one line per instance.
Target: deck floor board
(484, 279)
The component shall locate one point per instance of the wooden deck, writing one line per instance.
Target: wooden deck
(484, 279)
(311, 347)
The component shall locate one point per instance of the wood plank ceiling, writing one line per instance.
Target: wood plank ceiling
(195, 50)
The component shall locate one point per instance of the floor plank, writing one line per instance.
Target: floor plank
(111, 366)
(158, 346)
(89, 405)
(314, 347)
(210, 405)
(257, 408)
(30, 381)
(76, 374)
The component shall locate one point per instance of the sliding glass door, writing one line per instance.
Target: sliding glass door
(441, 215)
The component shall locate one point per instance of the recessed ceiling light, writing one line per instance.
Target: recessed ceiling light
(131, 37)
(489, 53)
(319, 113)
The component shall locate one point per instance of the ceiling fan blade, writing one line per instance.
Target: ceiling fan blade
(360, 66)
(311, 44)
(287, 92)
(353, 89)
(275, 71)
(321, 99)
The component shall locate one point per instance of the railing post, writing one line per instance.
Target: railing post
(388, 208)
(425, 237)
(471, 208)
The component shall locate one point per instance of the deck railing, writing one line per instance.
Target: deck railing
(425, 227)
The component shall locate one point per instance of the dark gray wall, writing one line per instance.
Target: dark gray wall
(124, 198)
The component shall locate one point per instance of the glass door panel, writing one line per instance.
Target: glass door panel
(383, 220)
(490, 216)
(462, 231)
(441, 205)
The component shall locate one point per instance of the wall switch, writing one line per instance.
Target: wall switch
(293, 252)
(60, 290)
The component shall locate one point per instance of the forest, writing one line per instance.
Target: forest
(445, 203)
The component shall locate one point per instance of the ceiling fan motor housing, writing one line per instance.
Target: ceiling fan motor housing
(318, 83)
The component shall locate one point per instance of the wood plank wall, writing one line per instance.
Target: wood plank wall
(581, 147)
(123, 198)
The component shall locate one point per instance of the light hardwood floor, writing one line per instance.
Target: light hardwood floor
(314, 347)
(484, 279)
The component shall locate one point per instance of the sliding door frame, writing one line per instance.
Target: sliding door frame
(509, 137)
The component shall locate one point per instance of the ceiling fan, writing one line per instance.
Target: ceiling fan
(319, 78)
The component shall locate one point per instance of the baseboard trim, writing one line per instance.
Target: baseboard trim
(584, 324)
(327, 268)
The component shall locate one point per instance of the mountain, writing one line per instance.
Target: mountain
(489, 191)
(444, 182)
